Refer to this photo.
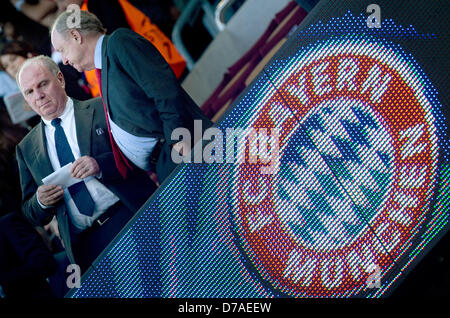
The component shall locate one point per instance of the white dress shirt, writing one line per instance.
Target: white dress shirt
(136, 149)
(101, 195)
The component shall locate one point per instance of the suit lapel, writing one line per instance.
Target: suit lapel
(83, 123)
(42, 164)
(105, 66)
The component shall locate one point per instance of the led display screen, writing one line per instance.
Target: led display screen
(327, 178)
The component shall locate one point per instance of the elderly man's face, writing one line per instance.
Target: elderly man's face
(73, 49)
(43, 91)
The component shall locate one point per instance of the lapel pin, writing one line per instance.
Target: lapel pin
(99, 131)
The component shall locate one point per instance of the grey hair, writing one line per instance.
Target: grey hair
(89, 23)
(44, 61)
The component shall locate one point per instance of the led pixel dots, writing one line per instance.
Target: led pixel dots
(360, 190)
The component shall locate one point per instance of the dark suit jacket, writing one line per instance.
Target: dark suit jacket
(143, 95)
(34, 165)
(25, 260)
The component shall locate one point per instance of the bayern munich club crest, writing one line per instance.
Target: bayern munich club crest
(358, 158)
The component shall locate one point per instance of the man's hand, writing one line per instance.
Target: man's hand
(50, 194)
(84, 167)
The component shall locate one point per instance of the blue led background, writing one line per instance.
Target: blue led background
(194, 237)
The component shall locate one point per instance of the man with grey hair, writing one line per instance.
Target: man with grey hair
(94, 209)
(143, 101)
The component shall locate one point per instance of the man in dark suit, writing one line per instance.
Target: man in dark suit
(25, 260)
(91, 212)
(143, 100)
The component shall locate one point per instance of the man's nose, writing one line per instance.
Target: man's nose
(65, 60)
(39, 94)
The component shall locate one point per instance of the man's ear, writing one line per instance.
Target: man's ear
(60, 78)
(76, 35)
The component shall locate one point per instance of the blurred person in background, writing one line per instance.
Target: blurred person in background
(13, 54)
(41, 11)
(15, 26)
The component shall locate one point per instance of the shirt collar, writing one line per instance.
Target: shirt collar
(66, 115)
(98, 52)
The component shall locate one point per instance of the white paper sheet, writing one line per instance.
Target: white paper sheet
(62, 177)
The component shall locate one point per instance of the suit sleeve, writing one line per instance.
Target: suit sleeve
(108, 167)
(146, 66)
(37, 260)
(30, 206)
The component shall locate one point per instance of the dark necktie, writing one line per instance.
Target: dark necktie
(78, 191)
(121, 161)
